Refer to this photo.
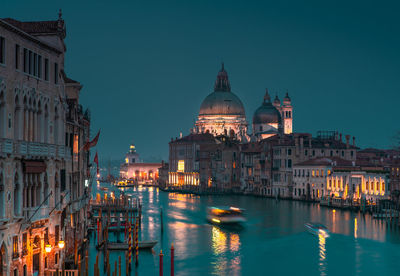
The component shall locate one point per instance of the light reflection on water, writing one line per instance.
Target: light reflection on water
(322, 254)
(273, 237)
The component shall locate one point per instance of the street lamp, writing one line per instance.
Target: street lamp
(61, 244)
(48, 248)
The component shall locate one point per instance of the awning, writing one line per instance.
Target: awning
(34, 166)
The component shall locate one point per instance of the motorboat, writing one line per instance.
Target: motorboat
(317, 229)
(225, 215)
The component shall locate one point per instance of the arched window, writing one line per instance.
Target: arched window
(17, 119)
(2, 114)
(45, 189)
(17, 196)
(56, 129)
(57, 190)
(2, 199)
(39, 123)
(46, 125)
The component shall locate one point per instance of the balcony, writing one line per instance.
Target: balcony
(32, 149)
(42, 213)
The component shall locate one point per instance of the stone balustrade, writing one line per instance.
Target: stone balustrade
(33, 149)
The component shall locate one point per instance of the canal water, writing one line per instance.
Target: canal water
(273, 241)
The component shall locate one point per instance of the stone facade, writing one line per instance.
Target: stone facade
(37, 163)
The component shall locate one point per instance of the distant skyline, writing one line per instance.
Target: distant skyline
(146, 66)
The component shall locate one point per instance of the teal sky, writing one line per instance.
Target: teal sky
(147, 65)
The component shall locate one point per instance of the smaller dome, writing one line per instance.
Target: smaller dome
(287, 100)
(267, 113)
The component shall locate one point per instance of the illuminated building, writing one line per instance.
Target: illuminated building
(185, 159)
(222, 112)
(139, 171)
(42, 127)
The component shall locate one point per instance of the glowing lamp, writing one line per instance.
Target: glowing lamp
(61, 244)
(48, 248)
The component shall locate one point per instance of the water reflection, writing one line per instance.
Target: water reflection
(218, 241)
(355, 227)
(226, 247)
(322, 254)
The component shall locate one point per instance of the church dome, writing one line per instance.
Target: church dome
(222, 101)
(266, 113)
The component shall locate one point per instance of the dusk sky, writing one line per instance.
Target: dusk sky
(146, 66)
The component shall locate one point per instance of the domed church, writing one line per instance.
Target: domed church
(222, 112)
(272, 118)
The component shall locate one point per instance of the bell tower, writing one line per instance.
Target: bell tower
(287, 114)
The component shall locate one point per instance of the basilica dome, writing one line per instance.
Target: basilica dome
(267, 113)
(222, 101)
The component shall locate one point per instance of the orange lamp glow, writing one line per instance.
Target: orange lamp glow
(61, 244)
(47, 248)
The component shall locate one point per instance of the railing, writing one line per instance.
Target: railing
(19, 147)
(67, 272)
(42, 213)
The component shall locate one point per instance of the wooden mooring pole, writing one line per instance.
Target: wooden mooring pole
(161, 263)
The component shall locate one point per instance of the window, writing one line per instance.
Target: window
(30, 62)
(17, 56)
(289, 163)
(39, 72)
(313, 152)
(56, 234)
(25, 244)
(306, 152)
(55, 72)
(331, 152)
(35, 64)
(181, 166)
(342, 152)
(15, 247)
(26, 62)
(2, 50)
(351, 153)
(46, 69)
(289, 151)
(313, 173)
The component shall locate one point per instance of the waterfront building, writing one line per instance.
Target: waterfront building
(225, 165)
(162, 180)
(310, 177)
(185, 161)
(133, 168)
(357, 182)
(281, 152)
(42, 174)
(222, 112)
(250, 165)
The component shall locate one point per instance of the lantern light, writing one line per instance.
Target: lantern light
(61, 244)
(48, 248)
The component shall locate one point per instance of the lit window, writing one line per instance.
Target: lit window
(181, 165)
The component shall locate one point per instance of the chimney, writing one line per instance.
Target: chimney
(340, 137)
(354, 141)
(347, 141)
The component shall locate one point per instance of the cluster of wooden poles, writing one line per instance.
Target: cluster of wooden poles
(132, 225)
